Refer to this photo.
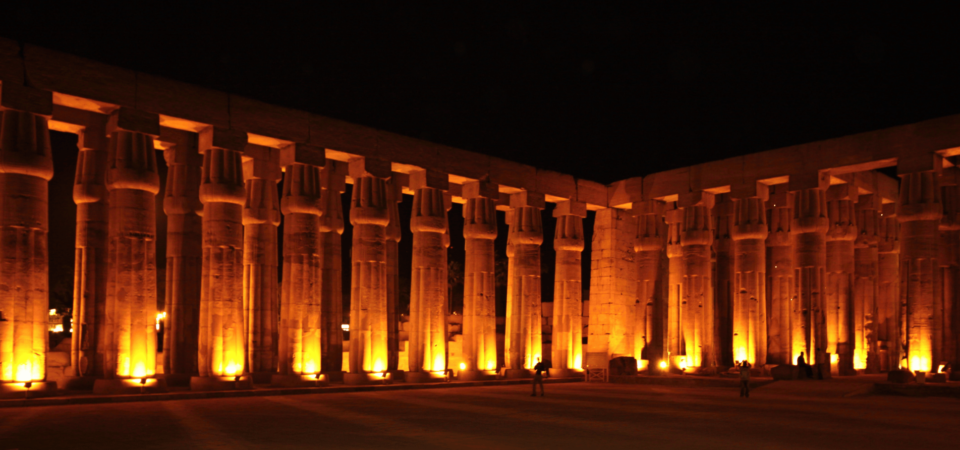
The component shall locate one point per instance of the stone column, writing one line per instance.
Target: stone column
(523, 343)
(368, 299)
(331, 269)
(300, 305)
(129, 332)
(181, 203)
(90, 257)
(919, 213)
(949, 260)
(750, 315)
(723, 214)
(785, 334)
(613, 287)
(261, 217)
(809, 226)
(866, 284)
(394, 233)
(841, 232)
(479, 279)
(650, 313)
(221, 359)
(428, 282)
(26, 166)
(567, 339)
(697, 311)
(675, 304)
(888, 289)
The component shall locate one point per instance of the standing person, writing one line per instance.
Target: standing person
(538, 378)
(802, 364)
(745, 379)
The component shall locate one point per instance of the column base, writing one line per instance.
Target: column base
(72, 383)
(262, 377)
(475, 375)
(289, 381)
(221, 383)
(177, 379)
(129, 386)
(17, 390)
(519, 373)
(425, 377)
(334, 376)
(368, 378)
(565, 373)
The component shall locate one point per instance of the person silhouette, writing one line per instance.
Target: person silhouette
(538, 378)
(745, 379)
(802, 365)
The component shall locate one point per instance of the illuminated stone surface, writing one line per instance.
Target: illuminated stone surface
(479, 280)
(841, 233)
(128, 335)
(888, 290)
(949, 259)
(222, 349)
(785, 333)
(368, 300)
(428, 280)
(331, 268)
(749, 233)
(919, 213)
(181, 204)
(301, 311)
(568, 242)
(866, 284)
(725, 296)
(394, 233)
(650, 315)
(522, 340)
(696, 304)
(809, 226)
(261, 216)
(25, 169)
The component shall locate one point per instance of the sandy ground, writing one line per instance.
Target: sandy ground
(799, 414)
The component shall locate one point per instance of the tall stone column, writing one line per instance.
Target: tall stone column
(888, 289)
(567, 339)
(301, 304)
(650, 320)
(479, 279)
(919, 213)
(785, 334)
(697, 310)
(675, 292)
(394, 233)
(809, 226)
(427, 349)
(949, 260)
(331, 269)
(723, 247)
(26, 166)
(750, 315)
(368, 299)
(841, 232)
(523, 343)
(129, 333)
(613, 287)
(866, 284)
(181, 203)
(261, 217)
(221, 359)
(90, 257)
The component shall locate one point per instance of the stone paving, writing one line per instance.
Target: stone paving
(574, 415)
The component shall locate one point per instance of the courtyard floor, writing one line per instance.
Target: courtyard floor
(796, 414)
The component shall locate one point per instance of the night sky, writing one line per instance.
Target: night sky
(600, 90)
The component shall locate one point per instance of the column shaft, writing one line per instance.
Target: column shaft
(133, 184)
(810, 228)
(697, 303)
(428, 282)
(222, 346)
(949, 260)
(649, 320)
(675, 292)
(300, 318)
(181, 203)
(567, 339)
(394, 233)
(841, 233)
(726, 292)
(261, 217)
(785, 335)
(523, 344)
(866, 284)
(888, 290)
(27, 167)
(331, 269)
(919, 214)
(479, 284)
(368, 300)
(749, 233)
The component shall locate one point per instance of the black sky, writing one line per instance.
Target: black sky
(570, 86)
